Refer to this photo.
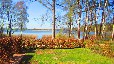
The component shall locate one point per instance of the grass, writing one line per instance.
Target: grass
(68, 56)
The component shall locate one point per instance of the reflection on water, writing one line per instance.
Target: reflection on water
(40, 33)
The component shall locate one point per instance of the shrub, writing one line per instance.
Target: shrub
(100, 46)
(63, 36)
(9, 46)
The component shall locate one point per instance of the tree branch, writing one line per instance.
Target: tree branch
(44, 4)
(49, 3)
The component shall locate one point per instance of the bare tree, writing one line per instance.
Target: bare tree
(53, 10)
(51, 7)
(70, 6)
(79, 17)
(6, 13)
(86, 19)
(21, 15)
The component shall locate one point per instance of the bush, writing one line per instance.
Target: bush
(100, 46)
(9, 46)
(14, 44)
(64, 36)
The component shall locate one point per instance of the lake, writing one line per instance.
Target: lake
(40, 33)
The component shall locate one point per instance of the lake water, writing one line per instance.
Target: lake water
(40, 33)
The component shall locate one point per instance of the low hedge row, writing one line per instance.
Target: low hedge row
(9, 46)
(16, 44)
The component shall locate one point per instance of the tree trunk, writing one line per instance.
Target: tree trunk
(100, 28)
(103, 27)
(101, 24)
(113, 29)
(79, 25)
(86, 27)
(70, 24)
(53, 23)
(1, 31)
(9, 19)
(95, 29)
(78, 29)
(21, 30)
(96, 25)
(113, 32)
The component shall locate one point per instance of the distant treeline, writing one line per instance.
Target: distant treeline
(108, 27)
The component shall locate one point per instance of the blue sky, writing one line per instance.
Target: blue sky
(36, 10)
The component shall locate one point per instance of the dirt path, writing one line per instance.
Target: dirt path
(17, 58)
(21, 59)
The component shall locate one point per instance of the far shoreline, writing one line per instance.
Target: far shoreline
(42, 29)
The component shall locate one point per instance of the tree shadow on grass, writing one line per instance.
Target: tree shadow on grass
(25, 59)
(30, 50)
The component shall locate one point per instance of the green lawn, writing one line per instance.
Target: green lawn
(69, 56)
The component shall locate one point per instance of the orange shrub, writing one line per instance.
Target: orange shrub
(9, 46)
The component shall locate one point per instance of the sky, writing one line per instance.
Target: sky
(35, 11)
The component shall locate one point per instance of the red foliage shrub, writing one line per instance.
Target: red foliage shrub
(58, 43)
(16, 44)
(99, 46)
(9, 46)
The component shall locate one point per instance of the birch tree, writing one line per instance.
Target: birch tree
(21, 15)
(6, 14)
(50, 4)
